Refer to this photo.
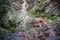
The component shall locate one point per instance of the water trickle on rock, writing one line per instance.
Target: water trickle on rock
(23, 16)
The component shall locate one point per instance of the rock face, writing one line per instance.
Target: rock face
(37, 33)
(49, 34)
(49, 6)
(53, 7)
(42, 29)
(17, 4)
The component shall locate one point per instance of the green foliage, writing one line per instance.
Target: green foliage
(4, 6)
(7, 18)
(32, 11)
(3, 34)
(10, 25)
